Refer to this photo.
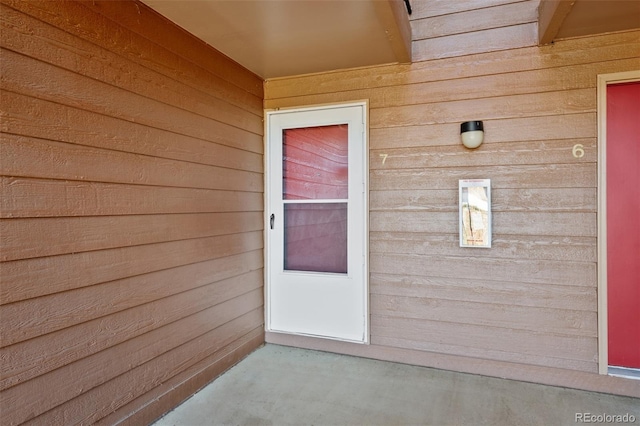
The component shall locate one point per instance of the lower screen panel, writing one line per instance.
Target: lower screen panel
(315, 237)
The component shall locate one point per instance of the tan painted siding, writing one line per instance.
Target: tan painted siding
(131, 213)
(526, 308)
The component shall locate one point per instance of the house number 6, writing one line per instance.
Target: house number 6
(578, 150)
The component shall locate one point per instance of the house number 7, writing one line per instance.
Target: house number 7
(578, 150)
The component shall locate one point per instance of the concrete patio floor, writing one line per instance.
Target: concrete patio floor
(277, 385)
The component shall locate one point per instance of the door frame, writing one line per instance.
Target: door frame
(603, 331)
(267, 194)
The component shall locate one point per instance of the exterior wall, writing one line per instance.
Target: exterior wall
(526, 308)
(132, 199)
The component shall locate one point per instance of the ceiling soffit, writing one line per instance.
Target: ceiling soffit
(277, 38)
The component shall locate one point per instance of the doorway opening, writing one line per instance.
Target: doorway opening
(618, 226)
(317, 222)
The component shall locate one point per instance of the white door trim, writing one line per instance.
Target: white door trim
(268, 258)
(603, 332)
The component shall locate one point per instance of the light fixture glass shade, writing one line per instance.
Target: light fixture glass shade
(472, 134)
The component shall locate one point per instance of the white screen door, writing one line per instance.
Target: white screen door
(317, 222)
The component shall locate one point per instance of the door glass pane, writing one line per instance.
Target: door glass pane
(315, 237)
(315, 163)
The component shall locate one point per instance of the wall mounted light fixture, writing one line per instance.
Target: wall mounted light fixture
(472, 134)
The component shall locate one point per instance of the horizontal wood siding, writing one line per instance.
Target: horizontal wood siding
(529, 303)
(131, 213)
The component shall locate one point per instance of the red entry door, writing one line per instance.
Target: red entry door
(623, 224)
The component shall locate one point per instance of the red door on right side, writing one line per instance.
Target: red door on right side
(623, 224)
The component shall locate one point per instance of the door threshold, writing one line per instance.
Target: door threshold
(627, 373)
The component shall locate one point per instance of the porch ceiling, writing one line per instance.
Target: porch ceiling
(276, 38)
(558, 19)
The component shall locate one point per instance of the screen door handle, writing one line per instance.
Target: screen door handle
(272, 220)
